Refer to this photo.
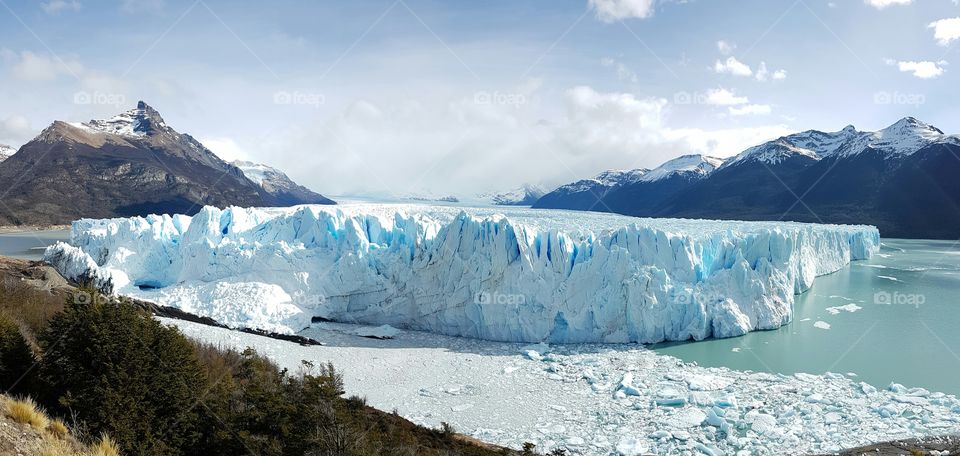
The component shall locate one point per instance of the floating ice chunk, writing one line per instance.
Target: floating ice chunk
(707, 382)
(687, 418)
(761, 423)
(821, 324)
(630, 446)
(892, 279)
(626, 385)
(378, 332)
(896, 388)
(845, 308)
(534, 355)
(867, 388)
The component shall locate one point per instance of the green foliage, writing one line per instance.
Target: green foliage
(118, 371)
(123, 374)
(16, 359)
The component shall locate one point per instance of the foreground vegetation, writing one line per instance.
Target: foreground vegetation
(107, 368)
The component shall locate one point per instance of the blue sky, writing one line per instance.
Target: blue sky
(410, 96)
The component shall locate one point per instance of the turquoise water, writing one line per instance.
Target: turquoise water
(907, 329)
(29, 245)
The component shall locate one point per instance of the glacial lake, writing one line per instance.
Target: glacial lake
(29, 245)
(906, 330)
(894, 318)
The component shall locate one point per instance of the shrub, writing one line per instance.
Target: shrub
(105, 447)
(58, 428)
(26, 411)
(123, 373)
(16, 359)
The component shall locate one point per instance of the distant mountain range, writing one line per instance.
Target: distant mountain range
(130, 164)
(903, 179)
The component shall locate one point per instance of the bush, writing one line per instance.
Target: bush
(124, 374)
(16, 359)
(26, 411)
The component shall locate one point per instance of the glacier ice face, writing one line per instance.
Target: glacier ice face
(499, 274)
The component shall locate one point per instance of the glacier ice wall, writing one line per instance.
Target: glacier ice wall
(520, 275)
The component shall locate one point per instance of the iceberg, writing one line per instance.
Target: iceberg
(503, 274)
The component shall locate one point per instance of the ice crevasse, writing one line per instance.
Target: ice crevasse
(507, 275)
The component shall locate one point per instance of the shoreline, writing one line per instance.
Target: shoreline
(15, 229)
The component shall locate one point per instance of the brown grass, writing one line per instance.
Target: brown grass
(25, 411)
(58, 428)
(105, 447)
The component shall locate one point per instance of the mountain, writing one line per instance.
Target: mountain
(646, 194)
(588, 194)
(130, 164)
(901, 179)
(525, 195)
(285, 191)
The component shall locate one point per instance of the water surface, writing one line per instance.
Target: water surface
(29, 245)
(905, 330)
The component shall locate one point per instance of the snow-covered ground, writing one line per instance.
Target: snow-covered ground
(504, 274)
(605, 399)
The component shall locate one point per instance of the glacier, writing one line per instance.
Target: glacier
(502, 274)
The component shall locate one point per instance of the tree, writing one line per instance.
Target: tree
(16, 359)
(123, 373)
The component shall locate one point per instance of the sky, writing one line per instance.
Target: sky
(404, 97)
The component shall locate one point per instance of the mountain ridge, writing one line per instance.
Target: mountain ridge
(847, 176)
(130, 164)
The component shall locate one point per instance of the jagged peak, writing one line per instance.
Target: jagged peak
(912, 124)
(140, 121)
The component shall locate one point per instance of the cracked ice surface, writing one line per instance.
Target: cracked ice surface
(606, 399)
(496, 274)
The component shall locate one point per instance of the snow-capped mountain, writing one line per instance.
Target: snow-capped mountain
(847, 176)
(696, 165)
(276, 183)
(524, 195)
(130, 164)
(588, 194)
(6, 151)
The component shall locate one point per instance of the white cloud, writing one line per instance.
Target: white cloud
(15, 130)
(57, 6)
(732, 66)
(225, 148)
(764, 74)
(35, 67)
(615, 10)
(624, 73)
(922, 69)
(750, 109)
(724, 97)
(726, 47)
(461, 147)
(946, 30)
(881, 4)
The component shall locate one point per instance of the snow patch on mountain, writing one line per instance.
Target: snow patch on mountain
(6, 152)
(692, 165)
(504, 274)
(905, 137)
(524, 195)
(136, 122)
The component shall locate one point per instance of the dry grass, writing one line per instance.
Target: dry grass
(58, 428)
(31, 308)
(25, 411)
(56, 447)
(105, 447)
